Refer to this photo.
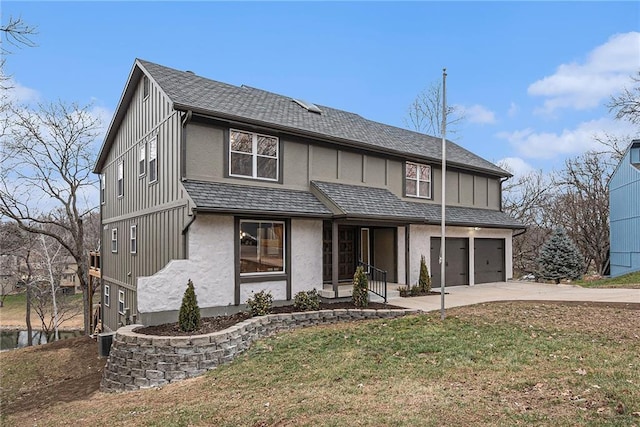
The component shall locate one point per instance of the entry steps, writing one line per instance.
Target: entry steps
(344, 291)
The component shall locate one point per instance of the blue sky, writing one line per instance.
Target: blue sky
(532, 77)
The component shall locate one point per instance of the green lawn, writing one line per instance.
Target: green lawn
(499, 364)
(631, 280)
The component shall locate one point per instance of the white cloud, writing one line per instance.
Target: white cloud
(18, 93)
(547, 145)
(513, 109)
(581, 86)
(516, 166)
(477, 114)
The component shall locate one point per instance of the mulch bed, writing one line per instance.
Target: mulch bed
(219, 323)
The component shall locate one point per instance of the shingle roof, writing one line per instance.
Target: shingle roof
(189, 91)
(223, 197)
(366, 202)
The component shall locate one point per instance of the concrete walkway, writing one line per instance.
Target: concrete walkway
(457, 296)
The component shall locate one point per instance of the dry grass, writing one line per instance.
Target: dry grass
(12, 314)
(629, 281)
(489, 364)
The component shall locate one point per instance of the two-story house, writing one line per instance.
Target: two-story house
(242, 190)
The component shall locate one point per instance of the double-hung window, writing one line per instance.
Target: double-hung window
(253, 155)
(114, 240)
(133, 237)
(121, 302)
(262, 247)
(102, 188)
(120, 179)
(142, 160)
(107, 297)
(417, 180)
(153, 160)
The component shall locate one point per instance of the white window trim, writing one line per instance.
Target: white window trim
(255, 155)
(120, 177)
(107, 295)
(284, 249)
(418, 166)
(153, 157)
(133, 239)
(121, 302)
(142, 160)
(114, 239)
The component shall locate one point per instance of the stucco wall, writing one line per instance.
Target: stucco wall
(210, 238)
(306, 255)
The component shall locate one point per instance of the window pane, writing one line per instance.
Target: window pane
(267, 146)
(411, 187)
(411, 170)
(241, 164)
(424, 189)
(241, 141)
(261, 247)
(267, 168)
(153, 170)
(425, 173)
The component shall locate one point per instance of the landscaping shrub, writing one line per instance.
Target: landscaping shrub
(189, 316)
(360, 294)
(424, 281)
(307, 301)
(260, 304)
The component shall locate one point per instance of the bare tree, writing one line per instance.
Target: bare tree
(425, 113)
(16, 33)
(581, 206)
(46, 179)
(626, 105)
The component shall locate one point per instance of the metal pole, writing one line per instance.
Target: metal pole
(444, 192)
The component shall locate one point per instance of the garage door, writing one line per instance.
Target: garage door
(488, 260)
(456, 259)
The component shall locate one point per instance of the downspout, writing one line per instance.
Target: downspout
(185, 230)
(186, 118)
(502, 181)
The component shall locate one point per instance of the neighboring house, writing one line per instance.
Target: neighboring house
(240, 190)
(69, 282)
(624, 212)
(9, 274)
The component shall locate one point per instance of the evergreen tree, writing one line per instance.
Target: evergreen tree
(189, 317)
(360, 294)
(560, 258)
(424, 281)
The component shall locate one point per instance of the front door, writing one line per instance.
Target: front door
(347, 253)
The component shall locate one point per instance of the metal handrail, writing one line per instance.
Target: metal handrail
(377, 280)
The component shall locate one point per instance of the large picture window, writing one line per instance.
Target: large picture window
(418, 180)
(253, 155)
(262, 247)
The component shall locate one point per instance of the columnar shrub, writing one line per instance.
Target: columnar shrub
(560, 258)
(260, 304)
(425, 281)
(307, 301)
(189, 316)
(360, 294)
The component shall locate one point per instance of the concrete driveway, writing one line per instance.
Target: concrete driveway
(456, 296)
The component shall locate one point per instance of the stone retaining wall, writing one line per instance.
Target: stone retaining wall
(141, 361)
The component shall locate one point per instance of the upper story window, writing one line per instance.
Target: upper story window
(142, 160)
(253, 155)
(417, 180)
(102, 188)
(153, 160)
(120, 179)
(145, 87)
(133, 237)
(114, 240)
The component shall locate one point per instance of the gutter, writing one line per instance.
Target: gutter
(186, 118)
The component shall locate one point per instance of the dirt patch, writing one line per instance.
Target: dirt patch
(218, 323)
(71, 371)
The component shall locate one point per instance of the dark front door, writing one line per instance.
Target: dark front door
(456, 262)
(488, 261)
(347, 253)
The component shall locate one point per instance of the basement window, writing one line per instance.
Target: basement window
(121, 302)
(107, 297)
